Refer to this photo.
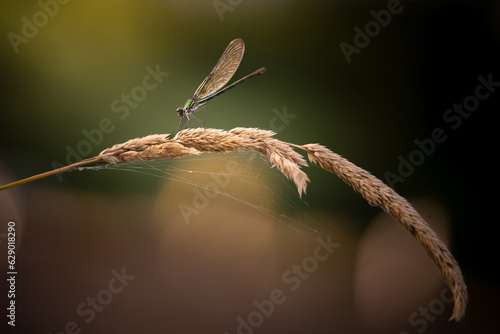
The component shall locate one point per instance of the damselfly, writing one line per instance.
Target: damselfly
(213, 83)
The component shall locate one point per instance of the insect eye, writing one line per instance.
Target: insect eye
(180, 112)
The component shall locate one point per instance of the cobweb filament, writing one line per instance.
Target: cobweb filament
(288, 208)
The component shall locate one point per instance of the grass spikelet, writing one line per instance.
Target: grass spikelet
(282, 156)
(378, 193)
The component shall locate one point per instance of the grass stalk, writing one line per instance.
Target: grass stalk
(282, 156)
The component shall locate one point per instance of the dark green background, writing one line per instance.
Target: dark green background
(370, 110)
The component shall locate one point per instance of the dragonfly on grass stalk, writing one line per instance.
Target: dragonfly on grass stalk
(213, 83)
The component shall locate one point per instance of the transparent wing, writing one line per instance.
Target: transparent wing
(223, 70)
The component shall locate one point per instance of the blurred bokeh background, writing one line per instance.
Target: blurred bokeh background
(80, 76)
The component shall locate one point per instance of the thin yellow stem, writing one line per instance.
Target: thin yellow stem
(52, 172)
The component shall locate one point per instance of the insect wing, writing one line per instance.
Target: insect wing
(223, 70)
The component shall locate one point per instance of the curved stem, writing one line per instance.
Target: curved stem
(52, 172)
